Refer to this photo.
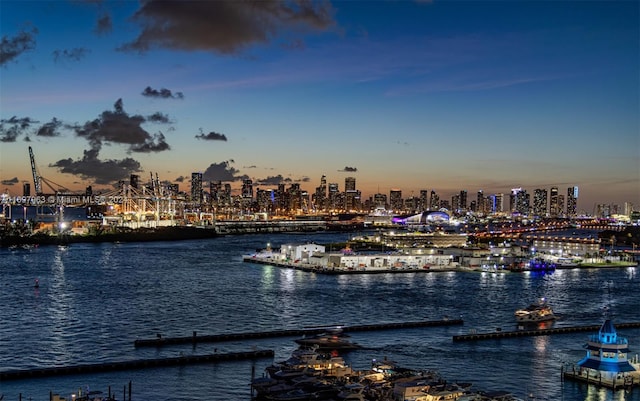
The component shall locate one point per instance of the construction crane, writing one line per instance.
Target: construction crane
(37, 181)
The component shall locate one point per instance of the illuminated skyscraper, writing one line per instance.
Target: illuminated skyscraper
(434, 201)
(196, 189)
(247, 189)
(395, 200)
(554, 203)
(572, 201)
(540, 202)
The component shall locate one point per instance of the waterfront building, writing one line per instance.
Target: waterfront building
(607, 356)
(564, 247)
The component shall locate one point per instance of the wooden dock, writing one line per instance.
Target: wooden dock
(621, 381)
(133, 364)
(195, 338)
(542, 332)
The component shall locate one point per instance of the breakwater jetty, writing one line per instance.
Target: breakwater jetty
(133, 364)
(541, 332)
(195, 338)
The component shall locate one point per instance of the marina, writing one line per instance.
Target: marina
(199, 285)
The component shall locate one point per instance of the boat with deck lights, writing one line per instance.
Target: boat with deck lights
(534, 313)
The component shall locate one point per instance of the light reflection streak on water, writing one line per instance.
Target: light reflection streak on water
(60, 310)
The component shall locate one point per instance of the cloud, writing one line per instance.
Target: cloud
(222, 172)
(119, 127)
(10, 182)
(156, 144)
(273, 180)
(211, 136)
(12, 128)
(348, 169)
(162, 93)
(180, 179)
(104, 24)
(158, 117)
(223, 26)
(50, 129)
(75, 54)
(11, 48)
(90, 167)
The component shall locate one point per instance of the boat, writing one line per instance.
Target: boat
(331, 340)
(537, 312)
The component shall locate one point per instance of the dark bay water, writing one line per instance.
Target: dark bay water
(94, 300)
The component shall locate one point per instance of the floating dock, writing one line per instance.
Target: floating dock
(541, 332)
(130, 365)
(195, 338)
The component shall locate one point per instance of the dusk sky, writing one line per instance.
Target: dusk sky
(409, 95)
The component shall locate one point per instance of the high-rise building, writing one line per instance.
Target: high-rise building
(380, 201)
(349, 184)
(434, 201)
(423, 203)
(540, 202)
(196, 189)
(560, 204)
(519, 201)
(462, 201)
(351, 195)
(572, 201)
(215, 191)
(320, 196)
(480, 203)
(247, 189)
(26, 189)
(334, 196)
(555, 209)
(395, 200)
(498, 203)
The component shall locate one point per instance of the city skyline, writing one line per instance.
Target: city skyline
(406, 95)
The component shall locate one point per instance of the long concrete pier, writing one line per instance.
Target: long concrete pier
(541, 332)
(133, 364)
(195, 338)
